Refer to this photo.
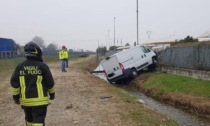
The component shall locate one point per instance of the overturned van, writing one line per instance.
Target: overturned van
(127, 63)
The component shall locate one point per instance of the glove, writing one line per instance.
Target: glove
(17, 101)
(52, 96)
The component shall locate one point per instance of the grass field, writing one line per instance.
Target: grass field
(192, 95)
(167, 83)
(8, 65)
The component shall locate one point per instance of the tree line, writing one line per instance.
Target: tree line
(47, 49)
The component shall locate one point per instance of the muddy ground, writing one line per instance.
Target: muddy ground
(81, 100)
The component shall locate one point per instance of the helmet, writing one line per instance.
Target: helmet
(31, 49)
(63, 47)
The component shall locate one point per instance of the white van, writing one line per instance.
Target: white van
(127, 63)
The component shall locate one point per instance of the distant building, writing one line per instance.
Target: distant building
(7, 45)
(71, 50)
(204, 36)
(8, 48)
(160, 44)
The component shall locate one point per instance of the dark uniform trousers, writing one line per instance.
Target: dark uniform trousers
(35, 115)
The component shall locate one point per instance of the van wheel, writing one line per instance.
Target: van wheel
(134, 73)
(152, 67)
(109, 81)
(154, 60)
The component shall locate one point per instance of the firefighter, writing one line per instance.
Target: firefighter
(63, 55)
(33, 85)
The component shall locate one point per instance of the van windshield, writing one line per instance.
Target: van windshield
(144, 49)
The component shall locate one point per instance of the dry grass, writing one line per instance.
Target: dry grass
(198, 105)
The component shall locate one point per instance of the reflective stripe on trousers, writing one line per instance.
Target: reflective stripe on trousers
(33, 124)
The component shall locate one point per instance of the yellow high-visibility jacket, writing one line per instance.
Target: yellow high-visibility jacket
(66, 54)
(63, 54)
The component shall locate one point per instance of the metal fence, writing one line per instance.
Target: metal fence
(8, 54)
(191, 57)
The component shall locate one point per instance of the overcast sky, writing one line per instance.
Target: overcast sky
(82, 24)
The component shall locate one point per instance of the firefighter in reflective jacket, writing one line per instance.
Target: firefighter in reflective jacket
(63, 55)
(31, 83)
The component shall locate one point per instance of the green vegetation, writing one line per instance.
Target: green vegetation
(101, 50)
(189, 39)
(166, 83)
(126, 96)
(8, 65)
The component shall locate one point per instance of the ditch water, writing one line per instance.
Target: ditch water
(181, 117)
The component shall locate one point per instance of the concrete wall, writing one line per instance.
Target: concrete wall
(197, 74)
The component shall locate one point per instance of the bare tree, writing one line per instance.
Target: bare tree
(52, 47)
(101, 50)
(39, 40)
(127, 44)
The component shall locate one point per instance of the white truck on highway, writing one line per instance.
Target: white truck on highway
(127, 63)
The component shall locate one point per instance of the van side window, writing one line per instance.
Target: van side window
(144, 49)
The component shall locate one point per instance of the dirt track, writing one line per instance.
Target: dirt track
(77, 102)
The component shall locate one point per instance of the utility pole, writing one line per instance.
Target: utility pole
(97, 52)
(98, 43)
(137, 12)
(108, 39)
(114, 30)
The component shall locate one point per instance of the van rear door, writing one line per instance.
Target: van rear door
(112, 67)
